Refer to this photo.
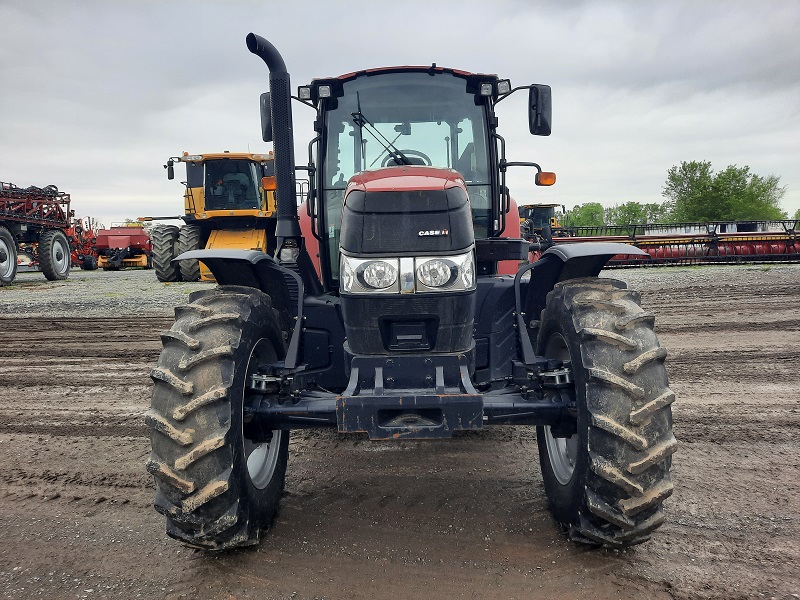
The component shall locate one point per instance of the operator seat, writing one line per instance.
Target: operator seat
(464, 164)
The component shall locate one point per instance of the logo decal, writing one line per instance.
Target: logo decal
(433, 232)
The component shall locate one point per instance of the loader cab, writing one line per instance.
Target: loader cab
(217, 184)
(541, 215)
(382, 118)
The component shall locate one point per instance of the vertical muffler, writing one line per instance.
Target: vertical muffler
(288, 225)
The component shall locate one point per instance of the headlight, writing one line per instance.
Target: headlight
(446, 273)
(377, 274)
(369, 276)
(437, 272)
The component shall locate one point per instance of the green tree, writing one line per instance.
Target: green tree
(589, 214)
(629, 213)
(634, 213)
(797, 215)
(695, 193)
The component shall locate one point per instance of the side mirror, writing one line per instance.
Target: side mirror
(266, 117)
(540, 109)
(170, 169)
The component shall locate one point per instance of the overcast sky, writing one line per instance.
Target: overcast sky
(94, 96)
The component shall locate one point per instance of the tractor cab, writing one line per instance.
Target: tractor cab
(411, 117)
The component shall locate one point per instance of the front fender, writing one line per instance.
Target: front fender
(587, 259)
(253, 268)
(569, 261)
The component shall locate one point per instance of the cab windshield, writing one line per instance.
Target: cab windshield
(405, 118)
(231, 184)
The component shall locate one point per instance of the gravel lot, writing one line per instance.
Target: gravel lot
(461, 518)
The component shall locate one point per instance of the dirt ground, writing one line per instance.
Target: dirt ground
(462, 518)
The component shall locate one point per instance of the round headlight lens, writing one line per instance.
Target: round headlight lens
(378, 274)
(435, 273)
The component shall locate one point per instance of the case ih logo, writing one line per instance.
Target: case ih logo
(432, 232)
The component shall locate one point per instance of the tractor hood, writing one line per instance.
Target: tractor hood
(406, 209)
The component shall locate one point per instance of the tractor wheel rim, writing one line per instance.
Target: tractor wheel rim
(60, 256)
(562, 452)
(261, 457)
(6, 265)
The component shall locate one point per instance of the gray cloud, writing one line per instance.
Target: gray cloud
(96, 95)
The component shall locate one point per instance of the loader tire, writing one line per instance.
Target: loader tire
(89, 263)
(55, 257)
(217, 489)
(607, 482)
(189, 239)
(165, 246)
(8, 257)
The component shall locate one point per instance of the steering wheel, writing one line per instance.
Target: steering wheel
(410, 154)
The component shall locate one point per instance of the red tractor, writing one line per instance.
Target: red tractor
(381, 310)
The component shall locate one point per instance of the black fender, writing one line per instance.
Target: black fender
(559, 263)
(253, 268)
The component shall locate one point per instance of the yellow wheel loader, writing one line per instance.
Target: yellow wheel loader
(229, 203)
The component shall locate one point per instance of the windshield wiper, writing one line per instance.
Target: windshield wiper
(364, 123)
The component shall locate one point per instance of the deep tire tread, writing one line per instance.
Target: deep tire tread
(165, 245)
(185, 388)
(189, 239)
(214, 395)
(180, 337)
(186, 364)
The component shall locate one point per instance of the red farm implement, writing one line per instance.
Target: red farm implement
(688, 243)
(32, 231)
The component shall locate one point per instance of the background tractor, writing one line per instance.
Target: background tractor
(382, 311)
(228, 203)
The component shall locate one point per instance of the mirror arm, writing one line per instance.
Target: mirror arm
(516, 89)
(505, 164)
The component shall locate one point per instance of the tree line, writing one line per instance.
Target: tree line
(694, 192)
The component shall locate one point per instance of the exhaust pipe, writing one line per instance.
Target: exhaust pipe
(288, 225)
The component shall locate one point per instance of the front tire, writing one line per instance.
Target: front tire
(216, 487)
(189, 239)
(54, 254)
(607, 482)
(165, 245)
(8, 257)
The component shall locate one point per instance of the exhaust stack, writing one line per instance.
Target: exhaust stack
(288, 225)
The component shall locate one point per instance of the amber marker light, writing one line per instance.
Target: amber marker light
(269, 184)
(545, 178)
